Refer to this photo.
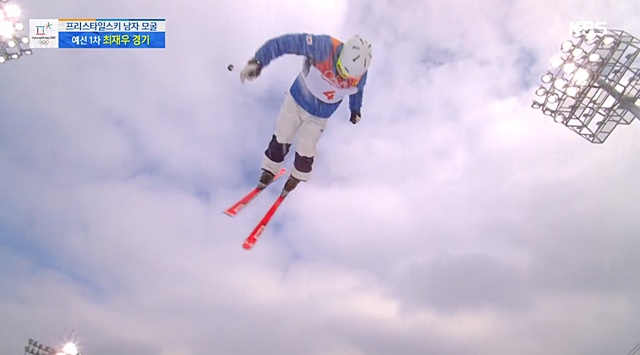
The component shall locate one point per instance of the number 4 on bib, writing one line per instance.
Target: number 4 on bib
(329, 94)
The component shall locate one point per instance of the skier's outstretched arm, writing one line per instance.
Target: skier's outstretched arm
(308, 45)
(355, 101)
(314, 47)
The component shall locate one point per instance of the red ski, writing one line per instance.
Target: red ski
(255, 234)
(238, 206)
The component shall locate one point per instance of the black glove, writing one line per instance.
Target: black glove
(355, 117)
(251, 70)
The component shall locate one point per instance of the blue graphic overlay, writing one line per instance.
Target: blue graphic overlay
(112, 40)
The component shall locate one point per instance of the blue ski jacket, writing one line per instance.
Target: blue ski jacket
(320, 52)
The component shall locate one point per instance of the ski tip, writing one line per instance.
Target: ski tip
(249, 243)
(230, 214)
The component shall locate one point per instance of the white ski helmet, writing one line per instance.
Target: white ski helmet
(355, 57)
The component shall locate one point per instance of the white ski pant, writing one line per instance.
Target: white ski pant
(294, 122)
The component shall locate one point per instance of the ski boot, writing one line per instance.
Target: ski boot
(265, 179)
(290, 185)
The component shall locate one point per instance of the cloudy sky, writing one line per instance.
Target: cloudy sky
(454, 219)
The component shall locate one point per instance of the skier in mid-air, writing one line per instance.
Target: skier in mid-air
(331, 71)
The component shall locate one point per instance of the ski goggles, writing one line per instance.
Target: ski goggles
(341, 71)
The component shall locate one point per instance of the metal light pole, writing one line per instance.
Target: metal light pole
(12, 45)
(594, 86)
(36, 348)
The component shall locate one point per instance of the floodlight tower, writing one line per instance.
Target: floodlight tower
(594, 85)
(12, 45)
(36, 348)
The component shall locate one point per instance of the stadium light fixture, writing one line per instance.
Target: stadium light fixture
(70, 349)
(13, 45)
(594, 85)
(35, 348)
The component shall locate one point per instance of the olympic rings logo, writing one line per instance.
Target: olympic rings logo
(43, 42)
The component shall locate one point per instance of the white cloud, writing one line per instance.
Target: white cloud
(452, 219)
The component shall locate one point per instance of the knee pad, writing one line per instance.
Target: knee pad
(277, 151)
(303, 164)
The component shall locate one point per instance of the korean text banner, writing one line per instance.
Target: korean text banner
(97, 33)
